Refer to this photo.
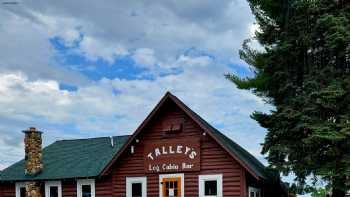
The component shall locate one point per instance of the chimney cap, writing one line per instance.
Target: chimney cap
(31, 130)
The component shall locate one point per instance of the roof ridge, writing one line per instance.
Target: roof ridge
(244, 158)
(92, 138)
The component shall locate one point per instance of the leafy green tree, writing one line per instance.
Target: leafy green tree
(304, 71)
(322, 192)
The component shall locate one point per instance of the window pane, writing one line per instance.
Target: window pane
(136, 189)
(22, 192)
(53, 191)
(210, 188)
(167, 184)
(167, 192)
(86, 190)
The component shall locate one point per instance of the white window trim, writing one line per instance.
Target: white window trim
(214, 177)
(255, 190)
(161, 176)
(49, 184)
(82, 182)
(131, 180)
(18, 188)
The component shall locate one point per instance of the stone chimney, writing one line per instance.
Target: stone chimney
(33, 189)
(33, 151)
(33, 160)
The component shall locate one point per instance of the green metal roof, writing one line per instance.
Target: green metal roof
(78, 158)
(89, 157)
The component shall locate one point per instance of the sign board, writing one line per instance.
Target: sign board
(172, 155)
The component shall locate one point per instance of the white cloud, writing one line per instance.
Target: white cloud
(144, 57)
(164, 27)
(152, 33)
(11, 149)
(64, 27)
(24, 99)
(194, 61)
(25, 47)
(95, 110)
(95, 49)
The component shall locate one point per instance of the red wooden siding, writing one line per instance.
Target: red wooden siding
(7, 190)
(69, 188)
(104, 187)
(214, 159)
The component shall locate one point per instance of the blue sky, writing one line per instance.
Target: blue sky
(78, 69)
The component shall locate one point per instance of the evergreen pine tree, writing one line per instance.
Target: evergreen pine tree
(304, 71)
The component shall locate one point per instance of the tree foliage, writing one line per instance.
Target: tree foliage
(322, 192)
(304, 71)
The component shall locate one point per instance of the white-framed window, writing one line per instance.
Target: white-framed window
(86, 188)
(20, 189)
(136, 186)
(210, 185)
(53, 189)
(254, 192)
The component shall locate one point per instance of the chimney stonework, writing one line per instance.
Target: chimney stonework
(33, 189)
(33, 151)
(33, 160)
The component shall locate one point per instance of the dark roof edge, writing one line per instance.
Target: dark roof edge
(48, 179)
(92, 138)
(203, 124)
(210, 130)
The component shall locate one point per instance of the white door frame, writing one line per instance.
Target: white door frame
(181, 175)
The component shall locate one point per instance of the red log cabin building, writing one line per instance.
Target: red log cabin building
(173, 153)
